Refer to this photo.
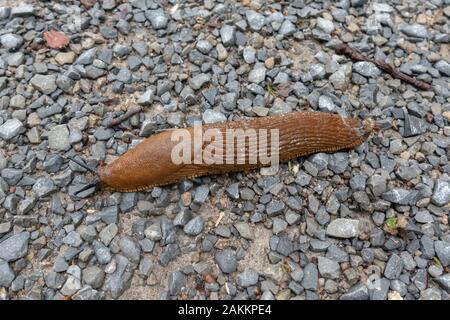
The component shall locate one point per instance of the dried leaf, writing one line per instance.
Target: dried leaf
(88, 3)
(209, 278)
(270, 89)
(222, 244)
(56, 39)
(437, 261)
(394, 295)
(402, 222)
(219, 219)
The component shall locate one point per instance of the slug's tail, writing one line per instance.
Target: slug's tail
(95, 183)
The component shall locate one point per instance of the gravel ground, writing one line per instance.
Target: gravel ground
(371, 223)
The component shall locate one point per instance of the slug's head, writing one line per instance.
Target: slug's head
(360, 130)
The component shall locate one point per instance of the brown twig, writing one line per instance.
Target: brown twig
(357, 56)
(111, 101)
(130, 112)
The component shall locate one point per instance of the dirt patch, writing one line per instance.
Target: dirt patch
(256, 257)
(139, 289)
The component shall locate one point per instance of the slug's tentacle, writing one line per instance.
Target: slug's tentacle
(81, 164)
(95, 183)
(150, 163)
(368, 126)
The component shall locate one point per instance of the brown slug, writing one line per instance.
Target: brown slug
(151, 163)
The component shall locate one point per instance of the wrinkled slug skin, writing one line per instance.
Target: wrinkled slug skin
(149, 164)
